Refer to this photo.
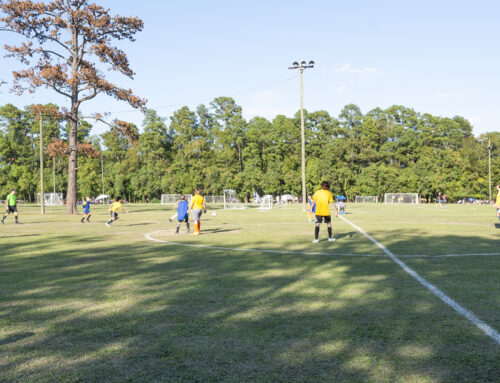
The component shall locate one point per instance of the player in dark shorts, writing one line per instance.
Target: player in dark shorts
(86, 210)
(182, 213)
(11, 206)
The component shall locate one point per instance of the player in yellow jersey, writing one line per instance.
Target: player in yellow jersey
(115, 206)
(322, 200)
(197, 207)
(497, 204)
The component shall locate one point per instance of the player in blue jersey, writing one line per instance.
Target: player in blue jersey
(311, 208)
(86, 210)
(182, 208)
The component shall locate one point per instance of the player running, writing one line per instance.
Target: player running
(322, 200)
(11, 206)
(115, 206)
(197, 207)
(182, 207)
(86, 210)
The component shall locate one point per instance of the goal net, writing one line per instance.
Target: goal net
(366, 199)
(214, 201)
(50, 199)
(401, 198)
(231, 201)
(266, 202)
(171, 199)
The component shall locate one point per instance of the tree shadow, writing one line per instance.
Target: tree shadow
(153, 312)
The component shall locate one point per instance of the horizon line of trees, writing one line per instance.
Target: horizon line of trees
(213, 147)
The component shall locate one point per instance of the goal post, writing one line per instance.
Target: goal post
(266, 202)
(393, 198)
(231, 200)
(171, 199)
(366, 199)
(50, 199)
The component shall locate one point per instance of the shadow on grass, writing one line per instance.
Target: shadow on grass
(144, 312)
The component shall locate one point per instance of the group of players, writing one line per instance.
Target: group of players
(318, 205)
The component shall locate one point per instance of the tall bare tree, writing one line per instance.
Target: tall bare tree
(68, 44)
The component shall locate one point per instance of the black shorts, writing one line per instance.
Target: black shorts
(114, 215)
(184, 220)
(11, 209)
(320, 218)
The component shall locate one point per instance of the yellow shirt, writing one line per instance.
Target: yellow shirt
(498, 200)
(323, 198)
(115, 206)
(197, 202)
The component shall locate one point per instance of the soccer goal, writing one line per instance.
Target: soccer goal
(231, 201)
(50, 199)
(366, 199)
(266, 202)
(171, 199)
(214, 201)
(401, 198)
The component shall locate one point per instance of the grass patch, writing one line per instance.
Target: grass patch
(83, 303)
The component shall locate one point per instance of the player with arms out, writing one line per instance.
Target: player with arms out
(11, 206)
(197, 207)
(86, 210)
(115, 206)
(182, 207)
(322, 200)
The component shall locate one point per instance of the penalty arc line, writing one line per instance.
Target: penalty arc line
(471, 317)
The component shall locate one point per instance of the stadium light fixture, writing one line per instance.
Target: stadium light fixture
(303, 65)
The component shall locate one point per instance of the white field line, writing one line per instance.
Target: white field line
(471, 317)
(446, 255)
(149, 237)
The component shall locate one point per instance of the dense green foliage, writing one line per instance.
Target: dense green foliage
(214, 147)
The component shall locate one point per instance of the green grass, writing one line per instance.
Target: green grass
(83, 303)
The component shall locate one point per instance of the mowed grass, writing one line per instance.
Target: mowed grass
(84, 303)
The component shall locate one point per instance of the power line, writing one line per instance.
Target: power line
(203, 100)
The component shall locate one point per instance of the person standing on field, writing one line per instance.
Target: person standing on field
(197, 207)
(322, 200)
(11, 206)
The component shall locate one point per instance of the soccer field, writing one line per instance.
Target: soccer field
(251, 299)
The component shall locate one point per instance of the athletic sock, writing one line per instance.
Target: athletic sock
(329, 232)
(82, 219)
(316, 232)
(178, 228)
(88, 217)
(110, 222)
(16, 219)
(199, 226)
(187, 225)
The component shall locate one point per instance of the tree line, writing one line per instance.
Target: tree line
(215, 148)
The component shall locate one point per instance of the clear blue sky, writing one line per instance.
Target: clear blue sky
(441, 57)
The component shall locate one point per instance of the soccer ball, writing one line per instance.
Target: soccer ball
(214, 214)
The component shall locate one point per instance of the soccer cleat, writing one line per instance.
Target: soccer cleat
(331, 239)
(170, 219)
(196, 233)
(3, 221)
(316, 241)
(108, 225)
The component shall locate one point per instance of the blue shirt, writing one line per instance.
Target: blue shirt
(182, 210)
(311, 202)
(86, 207)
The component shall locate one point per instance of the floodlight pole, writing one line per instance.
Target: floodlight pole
(489, 170)
(102, 172)
(42, 192)
(301, 69)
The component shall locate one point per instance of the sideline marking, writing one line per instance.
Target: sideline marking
(471, 317)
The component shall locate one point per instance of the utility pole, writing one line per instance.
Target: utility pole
(102, 172)
(54, 173)
(489, 170)
(301, 69)
(42, 191)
